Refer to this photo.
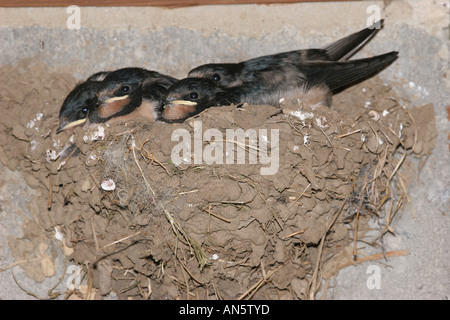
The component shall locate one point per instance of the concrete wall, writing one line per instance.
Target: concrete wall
(174, 40)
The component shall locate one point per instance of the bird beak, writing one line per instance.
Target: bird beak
(114, 99)
(64, 125)
(182, 102)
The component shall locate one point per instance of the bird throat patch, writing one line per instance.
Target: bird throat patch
(112, 107)
(146, 110)
(179, 111)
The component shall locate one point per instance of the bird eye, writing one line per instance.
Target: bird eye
(216, 77)
(193, 95)
(84, 110)
(125, 89)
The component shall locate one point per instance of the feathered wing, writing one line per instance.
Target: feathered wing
(344, 48)
(338, 76)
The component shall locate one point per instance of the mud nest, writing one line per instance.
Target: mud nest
(142, 225)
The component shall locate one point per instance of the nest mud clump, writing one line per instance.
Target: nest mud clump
(145, 222)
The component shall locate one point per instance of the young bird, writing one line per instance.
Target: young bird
(311, 82)
(191, 96)
(75, 107)
(130, 93)
(229, 75)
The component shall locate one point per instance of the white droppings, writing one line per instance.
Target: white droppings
(322, 122)
(32, 122)
(50, 155)
(99, 134)
(302, 115)
(418, 89)
(305, 140)
(56, 144)
(215, 256)
(108, 185)
(363, 138)
(374, 115)
(422, 90)
(33, 145)
(58, 235)
(385, 113)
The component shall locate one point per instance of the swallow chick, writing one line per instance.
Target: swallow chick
(271, 84)
(130, 93)
(312, 83)
(188, 97)
(235, 74)
(75, 107)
